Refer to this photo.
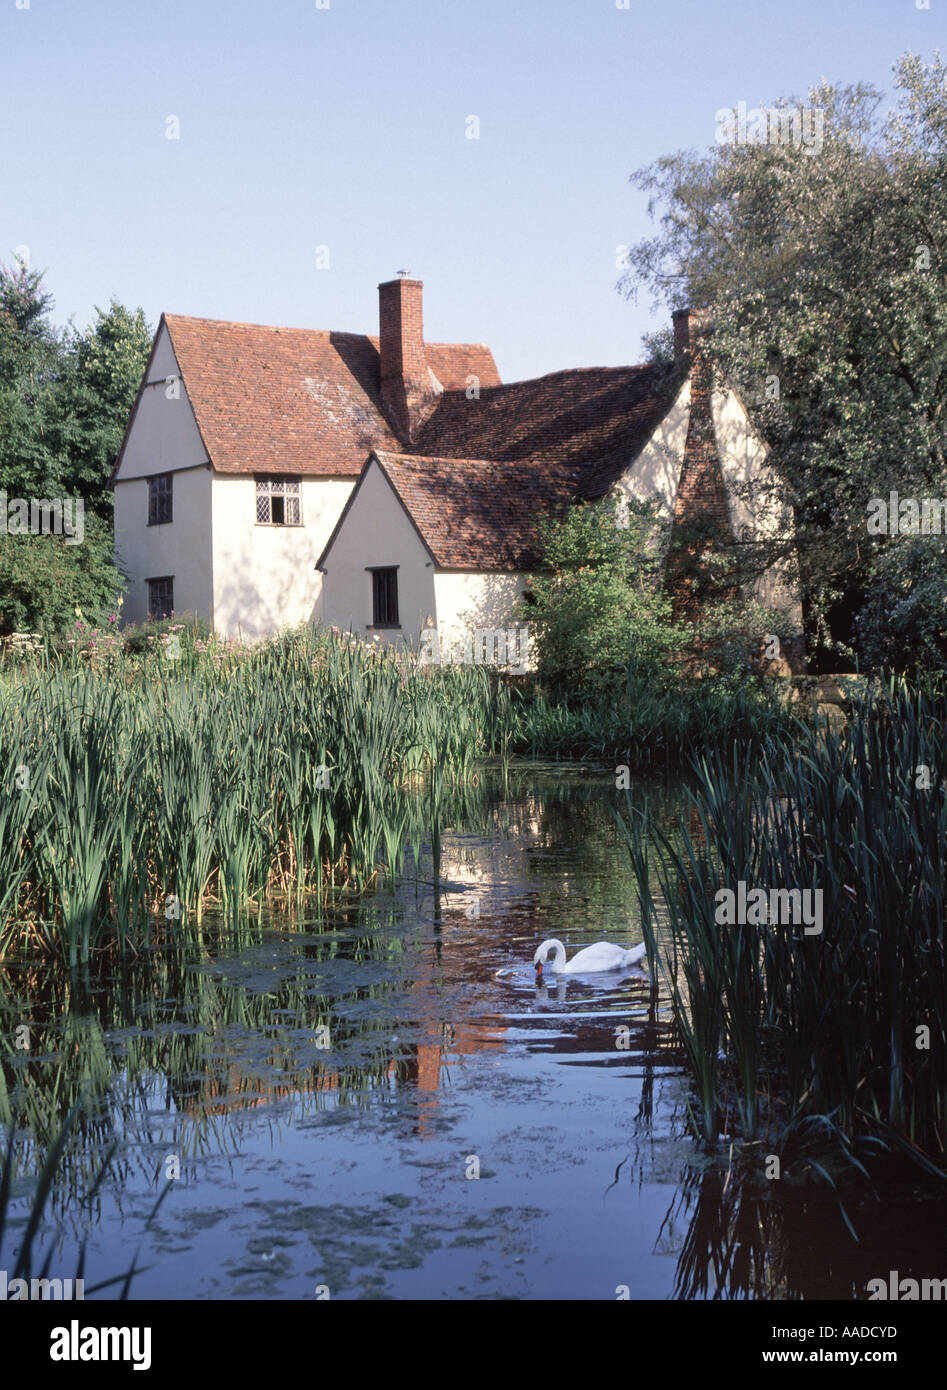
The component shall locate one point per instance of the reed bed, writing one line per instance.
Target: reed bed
(652, 725)
(141, 792)
(807, 1040)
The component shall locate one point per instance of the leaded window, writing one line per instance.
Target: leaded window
(278, 502)
(160, 492)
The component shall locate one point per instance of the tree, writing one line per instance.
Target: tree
(105, 367)
(31, 353)
(43, 580)
(65, 397)
(824, 272)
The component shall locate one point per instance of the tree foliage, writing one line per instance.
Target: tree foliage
(824, 270)
(598, 602)
(65, 397)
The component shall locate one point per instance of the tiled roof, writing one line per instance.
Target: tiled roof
(478, 514)
(482, 470)
(289, 400)
(296, 400)
(594, 420)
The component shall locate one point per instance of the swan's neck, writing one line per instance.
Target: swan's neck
(559, 954)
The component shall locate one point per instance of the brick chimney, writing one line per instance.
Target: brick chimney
(701, 524)
(689, 324)
(406, 387)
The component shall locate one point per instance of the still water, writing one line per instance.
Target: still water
(357, 1106)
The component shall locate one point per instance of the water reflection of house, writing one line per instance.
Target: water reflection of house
(421, 1065)
(468, 915)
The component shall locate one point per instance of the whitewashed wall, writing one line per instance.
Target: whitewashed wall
(164, 434)
(164, 438)
(376, 531)
(753, 505)
(656, 472)
(264, 577)
(180, 548)
(655, 475)
(471, 601)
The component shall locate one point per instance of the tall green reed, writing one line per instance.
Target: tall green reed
(160, 788)
(804, 1035)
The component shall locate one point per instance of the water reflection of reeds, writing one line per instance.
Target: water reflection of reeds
(199, 1043)
(178, 1033)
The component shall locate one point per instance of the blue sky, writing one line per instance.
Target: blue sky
(346, 127)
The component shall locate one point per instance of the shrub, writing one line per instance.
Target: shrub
(731, 635)
(598, 604)
(43, 580)
(143, 638)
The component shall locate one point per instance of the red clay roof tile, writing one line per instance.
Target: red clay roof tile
(289, 400)
(296, 400)
(477, 514)
(593, 419)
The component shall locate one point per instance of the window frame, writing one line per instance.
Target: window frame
(156, 499)
(274, 486)
(392, 597)
(160, 579)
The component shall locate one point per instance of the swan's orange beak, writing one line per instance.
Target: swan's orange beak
(539, 968)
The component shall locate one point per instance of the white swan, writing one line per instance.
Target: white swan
(601, 956)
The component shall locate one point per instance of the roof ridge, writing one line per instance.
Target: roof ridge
(291, 328)
(533, 462)
(467, 462)
(562, 371)
(267, 327)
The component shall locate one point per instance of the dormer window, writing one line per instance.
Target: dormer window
(278, 501)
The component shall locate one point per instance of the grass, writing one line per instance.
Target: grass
(813, 1040)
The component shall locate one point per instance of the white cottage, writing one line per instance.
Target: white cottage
(387, 486)
(243, 446)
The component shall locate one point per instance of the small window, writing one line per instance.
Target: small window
(160, 491)
(161, 597)
(385, 597)
(278, 502)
